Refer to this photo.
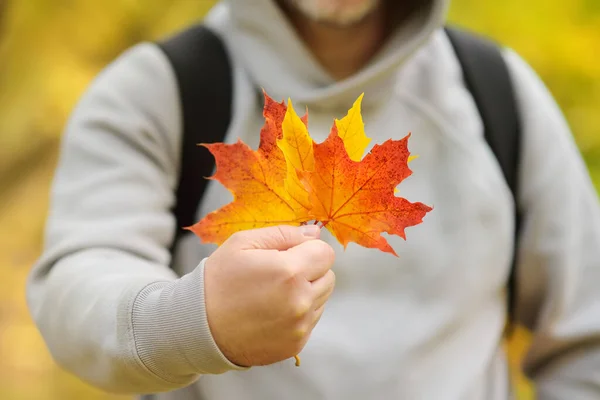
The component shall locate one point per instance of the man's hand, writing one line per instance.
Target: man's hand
(265, 290)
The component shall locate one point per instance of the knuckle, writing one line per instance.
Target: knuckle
(283, 233)
(236, 237)
(331, 277)
(300, 308)
(301, 333)
(288, 269)
(324, 251)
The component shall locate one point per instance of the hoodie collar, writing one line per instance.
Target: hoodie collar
(277, 60)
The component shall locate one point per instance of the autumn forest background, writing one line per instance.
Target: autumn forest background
(51, 49)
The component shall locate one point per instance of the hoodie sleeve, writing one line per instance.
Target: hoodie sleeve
(109, 308)
(559, 267)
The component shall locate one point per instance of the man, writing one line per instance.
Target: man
(425, 325)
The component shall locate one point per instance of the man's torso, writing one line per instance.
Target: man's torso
(426, 324)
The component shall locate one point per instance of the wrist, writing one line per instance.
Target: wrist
(171, 331)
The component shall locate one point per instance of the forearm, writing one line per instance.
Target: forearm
(82, 307)
(125, 325)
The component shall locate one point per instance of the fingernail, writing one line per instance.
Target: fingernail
(310, 231)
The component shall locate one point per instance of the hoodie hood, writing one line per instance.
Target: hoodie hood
(277, 59)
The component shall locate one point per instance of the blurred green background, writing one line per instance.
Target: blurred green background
(51, 49)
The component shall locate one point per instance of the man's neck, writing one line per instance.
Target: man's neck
(343, 50)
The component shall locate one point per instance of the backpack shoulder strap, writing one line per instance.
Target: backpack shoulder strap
(488, 79)
(204, 77)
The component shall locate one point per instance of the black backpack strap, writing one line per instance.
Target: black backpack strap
(204, 77)
(487, 77)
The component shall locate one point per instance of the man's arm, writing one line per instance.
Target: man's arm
(559, 267)
(102, 295)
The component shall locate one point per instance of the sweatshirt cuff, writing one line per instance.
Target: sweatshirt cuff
(171, 332)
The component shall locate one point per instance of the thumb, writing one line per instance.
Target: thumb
(280, 237)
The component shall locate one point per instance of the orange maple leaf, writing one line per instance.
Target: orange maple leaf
(291, 180)
(256, 180)
(354, 200)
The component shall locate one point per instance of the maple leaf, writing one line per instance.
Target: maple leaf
(297, 147)
(291, 179)
(351, 129)
(256, 180)
(354, 200)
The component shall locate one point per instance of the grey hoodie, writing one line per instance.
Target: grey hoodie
(425, 325)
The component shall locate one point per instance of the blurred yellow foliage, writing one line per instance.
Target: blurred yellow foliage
(50, 50)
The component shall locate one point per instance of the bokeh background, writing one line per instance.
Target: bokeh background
(51, 49)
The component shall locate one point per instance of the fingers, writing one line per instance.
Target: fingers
(317, 315)
(311, 259)
(322, 289)
(280, 237)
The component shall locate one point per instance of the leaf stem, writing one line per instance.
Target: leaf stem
(297, 358)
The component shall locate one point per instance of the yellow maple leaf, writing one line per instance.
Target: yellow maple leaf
(297, 147)
(351, 129)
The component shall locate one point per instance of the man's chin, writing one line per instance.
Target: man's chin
(341, 23)
(340, 19)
